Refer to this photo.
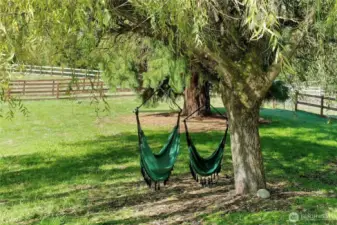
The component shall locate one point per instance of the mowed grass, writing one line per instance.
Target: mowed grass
(67, 164)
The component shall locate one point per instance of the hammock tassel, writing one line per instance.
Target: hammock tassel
(203, 181)
(194, 175)
(146, 177)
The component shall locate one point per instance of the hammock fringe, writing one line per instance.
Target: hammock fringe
(149, 181)
(205, 180)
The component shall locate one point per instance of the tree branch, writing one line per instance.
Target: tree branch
(289, 50)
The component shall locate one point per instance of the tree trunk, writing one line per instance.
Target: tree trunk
(245, 146)
(195, 96)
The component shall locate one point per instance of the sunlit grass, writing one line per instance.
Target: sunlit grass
(66, 164)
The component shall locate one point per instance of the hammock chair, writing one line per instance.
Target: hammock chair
(203, 170)
(156, 168)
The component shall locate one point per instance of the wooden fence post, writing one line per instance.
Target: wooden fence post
(24, 88)
(296, 99)
(53, 87)
(83, 84)
(58, 91)
(40, 70)
(101, 92)
(9, 93)
(322, 104)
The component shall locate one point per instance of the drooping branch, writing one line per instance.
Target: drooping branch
(255, 85)
(294, 41)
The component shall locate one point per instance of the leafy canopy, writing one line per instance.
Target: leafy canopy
(247, 43)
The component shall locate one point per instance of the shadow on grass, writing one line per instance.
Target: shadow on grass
(111, 162)
(300, 162)
(108, 158)
(120, 150)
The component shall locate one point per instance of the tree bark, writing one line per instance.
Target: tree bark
(245, 146)
(195, 96)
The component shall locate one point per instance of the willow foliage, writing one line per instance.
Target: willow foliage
(240, 40)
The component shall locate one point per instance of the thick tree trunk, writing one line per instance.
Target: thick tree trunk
(245, 145)
(195, 96)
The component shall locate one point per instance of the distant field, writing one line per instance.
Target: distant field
(69, 162)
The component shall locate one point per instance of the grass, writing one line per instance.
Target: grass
(64, 164)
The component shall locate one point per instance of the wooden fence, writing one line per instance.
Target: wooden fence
(60, 89)
(316, 101)
(53, 70)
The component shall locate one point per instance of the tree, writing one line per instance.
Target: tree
(197, 94)
(246, 43)
(143, 64)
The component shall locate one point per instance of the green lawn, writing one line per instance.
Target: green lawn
(66, 164)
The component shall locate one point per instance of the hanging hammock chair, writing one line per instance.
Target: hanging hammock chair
(156, 168)
(203, 170)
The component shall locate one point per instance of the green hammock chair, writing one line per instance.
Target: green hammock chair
(156, 168)
(205, 169)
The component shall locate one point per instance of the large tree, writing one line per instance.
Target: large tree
(143, 64)
(197, 92)
(247, 43)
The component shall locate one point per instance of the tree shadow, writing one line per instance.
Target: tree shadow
(303, 163)
(109, 158)
(112, 162)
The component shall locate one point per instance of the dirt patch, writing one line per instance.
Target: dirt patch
(186, 201)
(182, 201)
(264, 121)
(168, 120)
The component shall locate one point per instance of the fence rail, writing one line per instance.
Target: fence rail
(302, 99)
(60, 89)
(54, 70)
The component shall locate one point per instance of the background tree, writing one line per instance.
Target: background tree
(143, 64)
(197, 92)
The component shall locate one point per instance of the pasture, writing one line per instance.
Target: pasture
(70, 162)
